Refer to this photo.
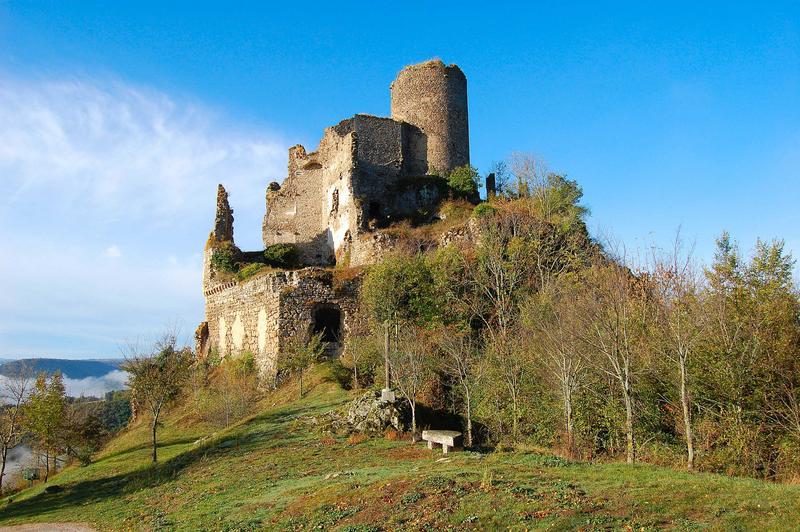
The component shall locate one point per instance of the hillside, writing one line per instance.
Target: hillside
(75, 369)
(271, 472)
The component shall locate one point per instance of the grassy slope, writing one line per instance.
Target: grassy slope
(269, 472)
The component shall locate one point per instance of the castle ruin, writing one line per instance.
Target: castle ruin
(366, 173)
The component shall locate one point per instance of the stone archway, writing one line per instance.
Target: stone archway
(326, 318)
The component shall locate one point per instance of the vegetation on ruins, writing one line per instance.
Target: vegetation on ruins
(223, 257)
(464, 182)
(283, 256)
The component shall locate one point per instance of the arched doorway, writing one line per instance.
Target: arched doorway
(327, 319)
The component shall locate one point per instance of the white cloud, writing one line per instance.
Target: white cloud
(85, 163)
(124, 150)
(112, 252)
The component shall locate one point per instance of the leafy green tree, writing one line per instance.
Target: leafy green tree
(464, 182)
(400, 290)
(302, 353)
(44, 414)
(156, 379)
(83, 430)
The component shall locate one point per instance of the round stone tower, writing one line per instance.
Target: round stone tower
(433, 97)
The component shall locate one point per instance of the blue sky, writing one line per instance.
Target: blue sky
(118, 119)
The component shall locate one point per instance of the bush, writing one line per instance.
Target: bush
(283, 256)
(464, 182)
(483, 209)
(223, 258)
(250, 270)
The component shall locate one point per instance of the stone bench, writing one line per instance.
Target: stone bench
(448, 439)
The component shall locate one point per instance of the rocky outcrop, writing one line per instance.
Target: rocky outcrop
(370, 414)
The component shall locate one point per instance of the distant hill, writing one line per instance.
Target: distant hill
(74, 369)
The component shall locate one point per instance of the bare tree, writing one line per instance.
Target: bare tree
(410, 367)
(614, 310)
(554, 322)
(679, 323)
(156, 378)
(530, 174)
(14, 390)
(461, 363)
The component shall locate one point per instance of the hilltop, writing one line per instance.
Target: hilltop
(270, 471)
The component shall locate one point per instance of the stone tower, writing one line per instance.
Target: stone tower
(433, 97)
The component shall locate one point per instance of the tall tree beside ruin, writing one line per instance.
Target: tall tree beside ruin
(553, 320)
(410, 364)
(156, 379)
(461, 362)
(679, 325)
(615, 310)
(13, 396)
(301, 355)
(43, 415)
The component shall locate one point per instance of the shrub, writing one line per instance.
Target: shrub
(223, 258)
(393, 435)
(483, 209)
(464, 182)
(250, 270)
(284, 256)
(355, 439)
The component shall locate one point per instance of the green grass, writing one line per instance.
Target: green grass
(270, 472)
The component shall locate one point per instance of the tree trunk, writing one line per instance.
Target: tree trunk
(631, 447)
(155, 447)
(514, 414)
(301, 384)
(387, 374)
(468, 405)
(355, 376)
(46, 466)
(687, 416)
(413, 421)
(568, 420)
(3, 467)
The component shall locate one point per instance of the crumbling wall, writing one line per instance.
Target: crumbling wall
(301, 211)
(262, 314)
(243, 317)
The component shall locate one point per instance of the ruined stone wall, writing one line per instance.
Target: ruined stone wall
(243, 317)
(262, 314)
(433, 97)
(316, 288)
(299, 211)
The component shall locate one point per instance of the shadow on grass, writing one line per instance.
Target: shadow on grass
(250, 435)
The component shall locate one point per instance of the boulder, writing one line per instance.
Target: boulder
(371, 414)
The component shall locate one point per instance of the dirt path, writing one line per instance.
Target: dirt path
(49, 527)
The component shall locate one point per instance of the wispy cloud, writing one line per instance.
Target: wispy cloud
(91, 168)
(112, 252)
